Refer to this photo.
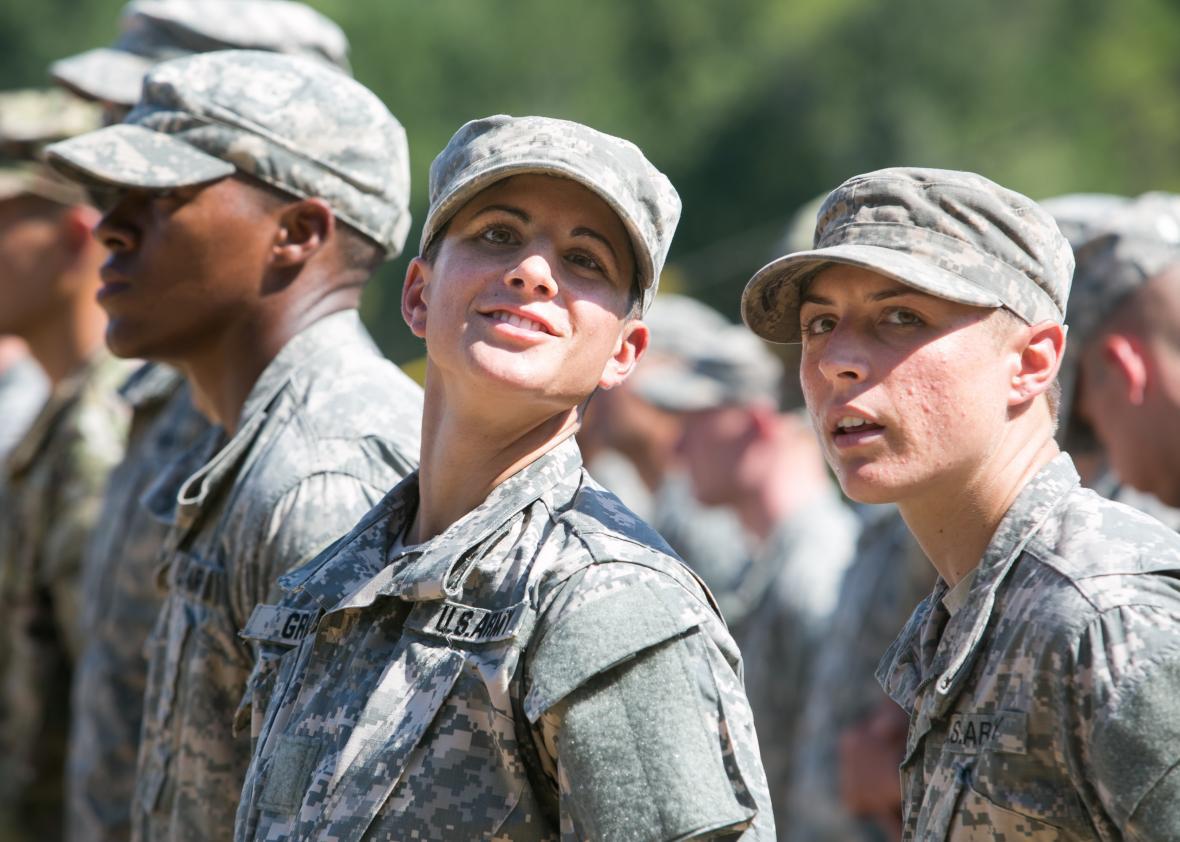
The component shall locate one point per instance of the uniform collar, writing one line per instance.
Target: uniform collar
(436, 568)
(939, 646)
(150, 384)
(63, 397)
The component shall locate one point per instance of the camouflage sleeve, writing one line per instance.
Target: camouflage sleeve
(640, 719)
(1134, 739)
(94, 447)
(308, 517)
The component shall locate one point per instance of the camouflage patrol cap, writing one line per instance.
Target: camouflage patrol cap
(159, 30)
(678, 325)
(489, 150)
(955, 235)
(28, 120)
(1080, 216)
(293, 123)
(730, 366)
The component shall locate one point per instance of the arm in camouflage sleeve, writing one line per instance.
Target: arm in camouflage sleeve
(644, 726)
(1134, 745)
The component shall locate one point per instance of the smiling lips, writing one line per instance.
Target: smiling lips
(521, 322)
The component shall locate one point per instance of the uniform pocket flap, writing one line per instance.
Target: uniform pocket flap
(599, 635)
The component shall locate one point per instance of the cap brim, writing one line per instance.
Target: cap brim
(770, 302)
(103, 74)
(130, 156)
(451, 204)
(680, 390)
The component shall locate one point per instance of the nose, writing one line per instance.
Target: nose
(843, 357)
(115, 230)
(533, 275)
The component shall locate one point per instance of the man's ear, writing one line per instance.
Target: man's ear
(414, 304)
(630, 347)
(1040, 359)
(1126, 356)
(304, 228)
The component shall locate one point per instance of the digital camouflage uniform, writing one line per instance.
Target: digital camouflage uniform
(107, 699)
(888, 577)
(1045, 707)
(122, 601)
(49, 502)
(328, 427)
(545, 668)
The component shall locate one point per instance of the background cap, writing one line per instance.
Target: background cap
(159, 30)
(726, 365)
(29, 119)
(293, 123)
(486, 151)
(1080, 216)
(952, 234)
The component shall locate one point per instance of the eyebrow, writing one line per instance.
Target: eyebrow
(883, 295)
(511, 210)
(590, 232)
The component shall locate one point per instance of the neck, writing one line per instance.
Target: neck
(63, 343)
(955, 524)
(465, 455)
(223, 372)
(651, 462)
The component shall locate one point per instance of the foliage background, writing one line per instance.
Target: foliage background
(752, 107)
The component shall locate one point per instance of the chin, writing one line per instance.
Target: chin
(863, 485)
(124, 343)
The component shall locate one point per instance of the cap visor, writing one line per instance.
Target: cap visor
(132, 156)
(103, 74)
(770, 302)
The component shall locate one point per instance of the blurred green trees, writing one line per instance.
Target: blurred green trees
(751, 106)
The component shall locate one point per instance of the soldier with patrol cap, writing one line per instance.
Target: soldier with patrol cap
(1041, 675)
(1125, 331)
(763, 465)
(251, 197)
(118, 570)
(500, 648)
(53, 477)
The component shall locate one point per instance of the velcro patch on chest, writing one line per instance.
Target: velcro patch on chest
(456, 621)
(1004, 731)
(276, 624)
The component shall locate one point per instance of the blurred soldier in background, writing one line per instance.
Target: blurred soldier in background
(629, 445)
(23, 389)
(1124, 322)
(54, 476)
(122, 598)
(159, 30)
(931, 316)
(252, 196)
(743, 453)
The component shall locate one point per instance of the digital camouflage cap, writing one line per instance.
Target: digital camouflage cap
(486, 151)
(29, 119)
(296, 124)
(952, 234)
(153, 31)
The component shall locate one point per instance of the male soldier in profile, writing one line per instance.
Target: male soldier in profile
(501, 649)
(1125, 328)
(122, 599)
(252, 195)
(54, 475)
(742, 452)
(1041, 675)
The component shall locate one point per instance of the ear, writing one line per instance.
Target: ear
(1127, 356)
(77, 225)
(629, 349)
(303, 229)
(1040, 358)
(414, 304)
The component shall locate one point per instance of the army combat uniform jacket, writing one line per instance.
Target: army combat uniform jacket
(543, 669)
(122, 601)
(49, 502)
(1047, 707)
(327, 429)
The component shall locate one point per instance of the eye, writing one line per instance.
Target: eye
(586, 261)
(818, 325)
(903, 317)
(498, 235)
